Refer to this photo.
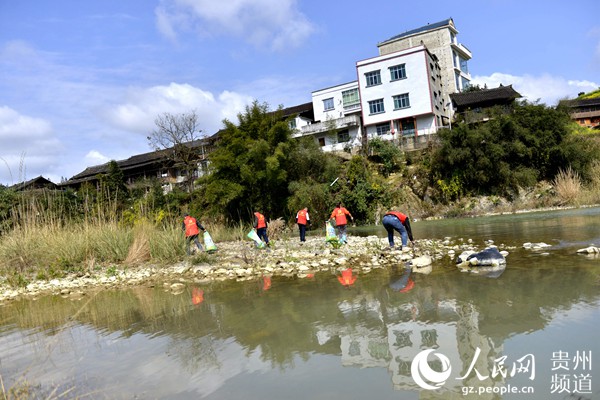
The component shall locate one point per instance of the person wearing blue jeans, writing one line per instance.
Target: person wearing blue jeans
(396, 221)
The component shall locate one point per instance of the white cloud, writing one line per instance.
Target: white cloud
(276, 24)
(141, 107)
(26, 144)
(94, 157)
(546, 88)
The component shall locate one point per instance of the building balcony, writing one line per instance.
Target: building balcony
(320, 127)
(462, 50)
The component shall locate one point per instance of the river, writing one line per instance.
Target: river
(529, 332)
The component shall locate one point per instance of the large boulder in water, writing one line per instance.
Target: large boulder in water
(488, 257)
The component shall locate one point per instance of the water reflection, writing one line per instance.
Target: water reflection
(347, 279)
(404, 284)
(233, 342)
(197, 296)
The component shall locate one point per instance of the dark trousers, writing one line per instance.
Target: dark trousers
(262, 234)
(189, 240)
(302, 229)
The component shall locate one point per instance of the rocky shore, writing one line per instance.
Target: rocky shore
(241, 261)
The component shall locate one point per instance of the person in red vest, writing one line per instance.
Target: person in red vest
(192, 228)
(260, 224)
(396, 221)
(302, 219)
(339, 213)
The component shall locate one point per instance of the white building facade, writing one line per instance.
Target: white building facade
(337, 122)
(401, 95)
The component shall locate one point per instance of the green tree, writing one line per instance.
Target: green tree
(112, 184)
(510, 151)
(390, 155)
(250, 165)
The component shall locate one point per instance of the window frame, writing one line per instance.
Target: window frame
(399, 70)
(400, 100)
(383, 128)
(345, 135)
(345, 97)
(373, 78)
(376, 106)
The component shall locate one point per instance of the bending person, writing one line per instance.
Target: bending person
(396, 221)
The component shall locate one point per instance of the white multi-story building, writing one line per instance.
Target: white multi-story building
(337, 122)
(401, 95)
(440, 38)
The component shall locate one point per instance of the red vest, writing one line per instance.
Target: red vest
(400, 216)
(191, 228)
(340, 215)
(261, 220)
(302, 217)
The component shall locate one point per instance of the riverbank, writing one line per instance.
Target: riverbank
(239, 260)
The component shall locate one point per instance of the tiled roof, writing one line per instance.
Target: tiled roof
(583, 103)
(154, 157)
(428, 27)
(499, 94)
(38, 182)
(136, 161)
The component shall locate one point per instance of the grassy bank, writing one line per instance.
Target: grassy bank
(44, 245)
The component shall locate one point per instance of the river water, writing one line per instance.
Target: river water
(529, 333)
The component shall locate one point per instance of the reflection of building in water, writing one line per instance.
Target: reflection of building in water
(391, 336)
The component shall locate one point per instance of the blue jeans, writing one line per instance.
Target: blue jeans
(391, 223)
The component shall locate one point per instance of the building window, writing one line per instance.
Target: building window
(292, 124)
(398, 72)
(463, 65)
(350, 97)
(382, 129)
(343, 136)
(321, 141)
(376, 106)
(328, 104)
(401, 101)
(373, 78)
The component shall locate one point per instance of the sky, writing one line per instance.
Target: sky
(82, 82)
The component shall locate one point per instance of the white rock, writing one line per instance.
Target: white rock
(589, 250)
(422, 261)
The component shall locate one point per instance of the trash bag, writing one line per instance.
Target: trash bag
(330, 232)
(209, 245)
(330, 235)
(254, 236)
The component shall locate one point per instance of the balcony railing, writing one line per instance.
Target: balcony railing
(340, 123)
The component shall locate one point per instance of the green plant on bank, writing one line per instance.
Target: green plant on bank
(112, 271)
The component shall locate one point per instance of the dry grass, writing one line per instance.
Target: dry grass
(139, 251)
(568, 187)
(276, 228)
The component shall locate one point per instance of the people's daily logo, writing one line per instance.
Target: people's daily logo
(426, 377)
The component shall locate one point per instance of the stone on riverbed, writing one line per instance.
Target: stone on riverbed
(488, 257)
(589, 250)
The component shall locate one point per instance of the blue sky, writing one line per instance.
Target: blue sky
(81, 82)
